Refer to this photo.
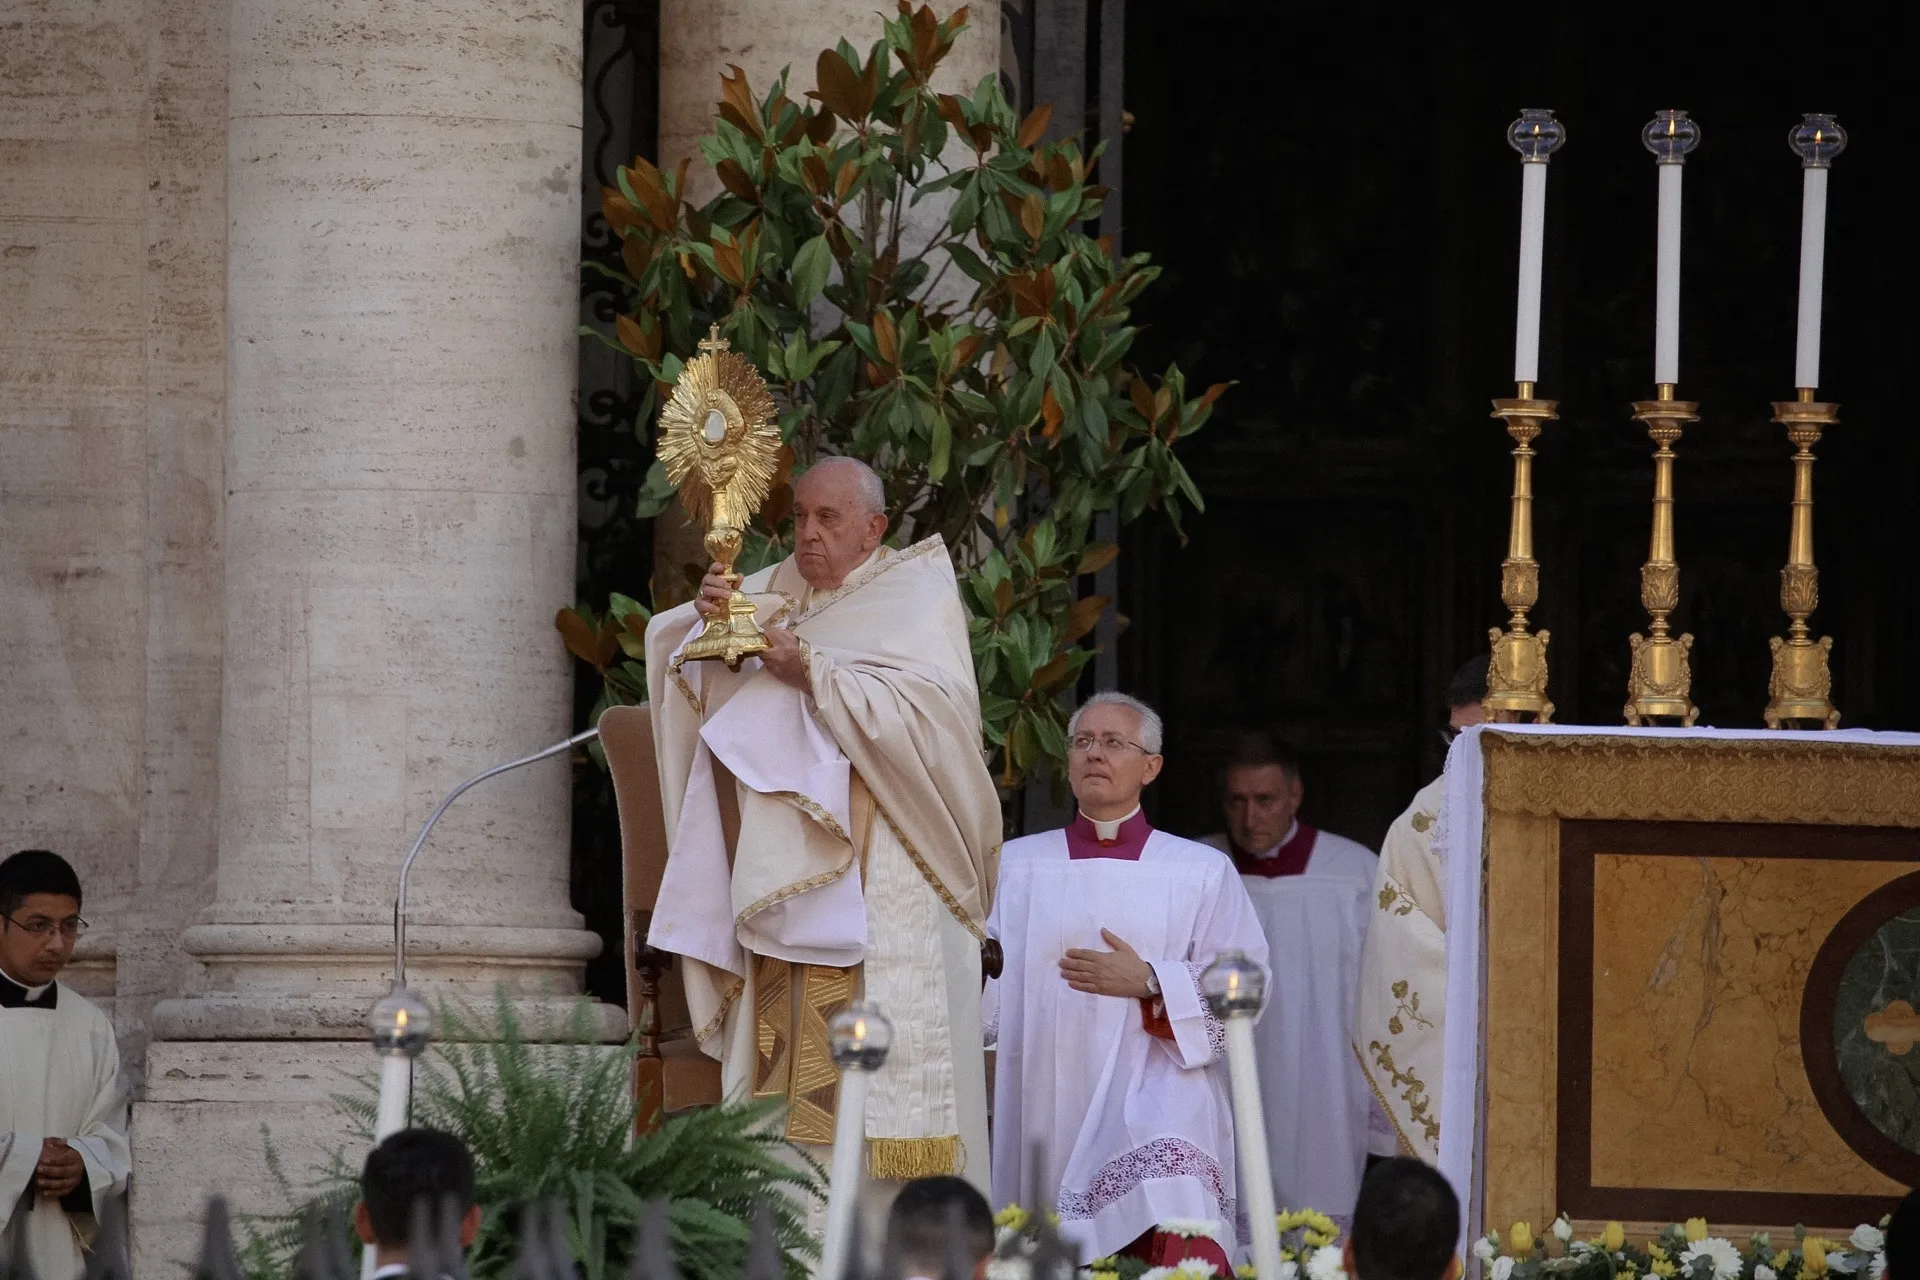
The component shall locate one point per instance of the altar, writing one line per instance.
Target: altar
(1699, 960)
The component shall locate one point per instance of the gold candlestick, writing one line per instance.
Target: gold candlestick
(1802, 686)
(1661, 679)
(1517, 671)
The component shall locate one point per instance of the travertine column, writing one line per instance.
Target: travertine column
(402, 200)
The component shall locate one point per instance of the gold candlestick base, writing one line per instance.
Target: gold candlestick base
(1517, 670)
(1661, 678)
(1799, 693)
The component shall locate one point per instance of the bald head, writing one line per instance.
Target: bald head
(839, 517)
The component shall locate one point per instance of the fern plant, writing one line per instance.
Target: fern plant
(550, 1117)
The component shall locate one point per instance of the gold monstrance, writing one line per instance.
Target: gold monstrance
(719, 444)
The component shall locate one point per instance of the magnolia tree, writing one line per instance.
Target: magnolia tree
(978, 360)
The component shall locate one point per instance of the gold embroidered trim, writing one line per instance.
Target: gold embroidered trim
(1391, 893)
(680, 682)
(866, 573)
(815, 810)
(1385, 1108)
(1415, 1094)
(814, 1088)
(726, 1002)
(905, 1158)
(1409, 1005)
(795, 890)
(773, 1027)
(946, 898)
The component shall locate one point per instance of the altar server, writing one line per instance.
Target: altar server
(1400, 1011)
(63, 1128)
(1311, 890)
(1109, 1058)
(833, 830)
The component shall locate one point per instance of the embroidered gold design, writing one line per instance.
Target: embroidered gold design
(1414, 1091)
(905, 1158)
(946, 898)
(1386, 1108)
(1391, 893)
(815, 1087)
(680, 682)
(815, 810)
(732, 994)
(773, 1027)
(1420, 821)
(1409, 1005)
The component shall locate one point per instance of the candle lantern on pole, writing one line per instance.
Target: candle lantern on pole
(859, 1037)
(1235, 988)
(1800, 690)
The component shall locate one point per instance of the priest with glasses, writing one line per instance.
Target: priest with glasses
(1110, 1063)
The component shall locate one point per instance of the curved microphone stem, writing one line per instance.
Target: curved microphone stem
(400, 897)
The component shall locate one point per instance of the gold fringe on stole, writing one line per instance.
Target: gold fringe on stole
(905, 1158)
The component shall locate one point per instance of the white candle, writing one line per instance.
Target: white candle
(1666, 310)
(1533, 231)
(396, 1092)
(843, 1181)
(1250, 1135)
(1813, 253)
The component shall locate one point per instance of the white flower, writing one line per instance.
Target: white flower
(1289, 1269)
(1764, 1272)
(1726, 1258)
(1868, 1239)
(1562, 1229)
(1326, 1263)
(1189, 1227)
(1194, 1269)
(1009, 1269)
(1157, 1273)
(1502, 1267)
(1484, 1249)
(1878, 1267)
(1003, 1234)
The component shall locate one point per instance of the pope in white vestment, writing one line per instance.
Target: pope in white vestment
(1109, 1059)
(60, 1094)
(833, 831)
(1311, 890)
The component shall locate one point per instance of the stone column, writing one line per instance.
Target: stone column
(402, 187)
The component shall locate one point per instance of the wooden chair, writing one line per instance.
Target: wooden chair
(671, 1073)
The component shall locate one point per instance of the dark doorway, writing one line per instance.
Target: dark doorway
(1331, 195)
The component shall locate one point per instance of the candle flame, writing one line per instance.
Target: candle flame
(400, 1019)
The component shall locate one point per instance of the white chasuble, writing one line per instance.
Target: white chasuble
(59, 1078)
(1313, 1092)
(1399, 1018)
(835, 839)
(1134, 1129)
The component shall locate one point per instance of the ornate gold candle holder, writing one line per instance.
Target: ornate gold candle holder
(1801, 688)
(1517, 672)
(1661, 679)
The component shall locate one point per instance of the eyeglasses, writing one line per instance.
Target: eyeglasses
(1112, 743)
(40, 927)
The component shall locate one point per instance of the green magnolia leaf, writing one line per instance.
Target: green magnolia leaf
(810, 267)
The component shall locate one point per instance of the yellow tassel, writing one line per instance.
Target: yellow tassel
(904, 1158)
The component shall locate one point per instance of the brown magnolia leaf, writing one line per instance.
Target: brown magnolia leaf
(1051, 412)
(1051, 676)
(926, 40)
(877, 376)
(1096, 556)
(1003, 597)
(981, 136)
(1162, 401)
(1213, 393)
(1106, 246)
(1141, 397)
(1034, 127)
(631, 336)
(1084, 615)
(1059, 172)
(645, 181)
(637, 253)
(726, 260)
(820, 127)
(844, 180)
(597, 647)
(620, 213)
(735, 179)
(950, 109)
(737, 95)
(886, 338)
(814, 170)
(840, 86)
(966, 349)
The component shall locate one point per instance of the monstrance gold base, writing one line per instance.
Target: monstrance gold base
(734, 636)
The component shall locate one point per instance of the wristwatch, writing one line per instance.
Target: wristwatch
(1153, 984)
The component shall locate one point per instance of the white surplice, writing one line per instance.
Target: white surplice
(1134, 1130)
(59, 1078)
(1315, 1096)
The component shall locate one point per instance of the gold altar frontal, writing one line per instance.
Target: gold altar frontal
(1670, 923)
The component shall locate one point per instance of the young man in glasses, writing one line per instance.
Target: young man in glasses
(63, 1130)
(1111, 1066)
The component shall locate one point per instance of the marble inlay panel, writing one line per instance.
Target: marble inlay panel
(1876, 1031)
(1699, 968)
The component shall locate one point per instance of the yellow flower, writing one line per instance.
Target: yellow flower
(1696, 1230)
(1319, 1223)
(1108, 1263)
(1320, 1239)
(1520, 1238)
(1106, 1275)
(1012, 1217)
(1244, 1271)
(1613, 1237)
(1625, 1270)
(1780, 1259)
(1813, 1256)
(1664, 1267)
(1655, 1252)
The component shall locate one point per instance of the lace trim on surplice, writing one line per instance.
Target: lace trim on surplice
(1161, 1158)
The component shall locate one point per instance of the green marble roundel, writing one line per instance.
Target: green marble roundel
(1876, 1028)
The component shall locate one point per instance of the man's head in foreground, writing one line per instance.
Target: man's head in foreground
(414, 1166)
(839, 517)
(39, 916)
(1466, 697)
(1262, 792)
(919, 1229)
(1113, 752)
(1405, 1224)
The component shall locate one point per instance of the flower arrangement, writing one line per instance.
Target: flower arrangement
(1684, 1251)
(1309, 1243)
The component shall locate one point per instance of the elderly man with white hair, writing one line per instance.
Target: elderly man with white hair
(833, 830)
(1108, 1057)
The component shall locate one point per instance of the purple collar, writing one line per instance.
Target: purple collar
(1083, 839)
